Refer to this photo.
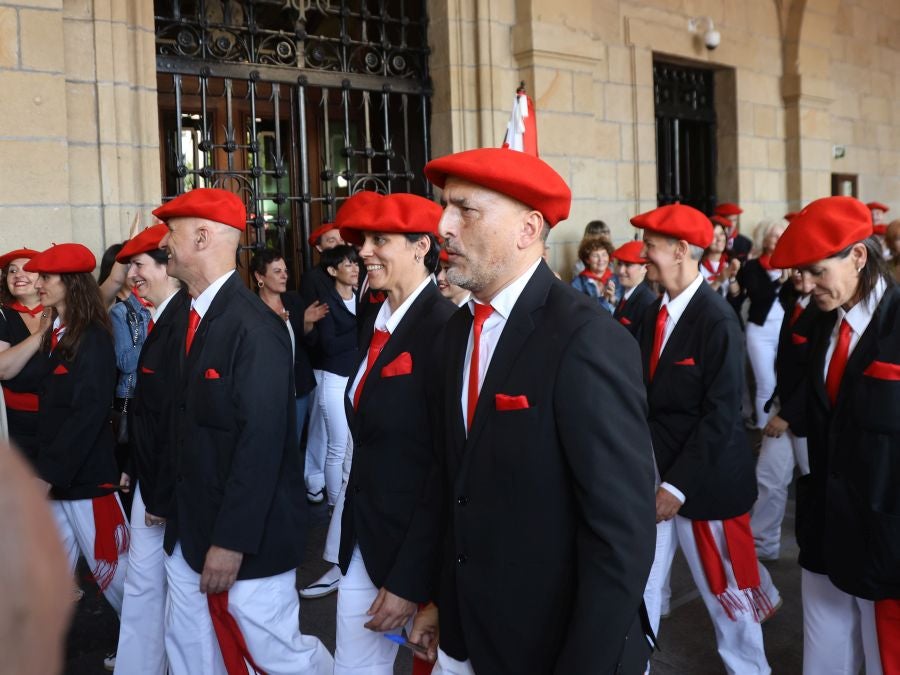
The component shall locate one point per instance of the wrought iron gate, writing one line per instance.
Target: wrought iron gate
(294, 105)
(685, 135)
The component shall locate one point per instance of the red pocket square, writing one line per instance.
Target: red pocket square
(883, 371)
(145, 369)
(211, 374)
(60, 370)
(624, 321)
(689, 361)
(799, 339)
(504, 402)
(402, 365)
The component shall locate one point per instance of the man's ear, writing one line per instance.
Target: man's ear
(531, 227)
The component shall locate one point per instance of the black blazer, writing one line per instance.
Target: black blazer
(551, 513)
(791, 364)
(848, 507)
(740, 248)
(75, 439)
(150, 411)
(23, 424)
(629, 312)
(237, 469)
(759, 288)
(336, 337)
(314, 286)
(304, 380)
(392, 502)
(695, 409)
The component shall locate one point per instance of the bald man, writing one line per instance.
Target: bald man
(234, 533)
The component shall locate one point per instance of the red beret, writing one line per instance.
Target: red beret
(519, 175)
(63, 259)
(444, 256)
(630, 253)
(145, 240)
(7, 258)
(790, 216)
(728, 209)
(824, 227)
(723, 221)
(317, 233)
(221, 206)
(679, 221)
(399, 212)
(877, 205)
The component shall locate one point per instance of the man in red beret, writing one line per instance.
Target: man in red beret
(549, 535)
(729, 215)
(637, 296)
(234, 534)
(880, 223)
(692, 349)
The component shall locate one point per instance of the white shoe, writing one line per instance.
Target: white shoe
(315, 497)
(326, 585)
(109, 663)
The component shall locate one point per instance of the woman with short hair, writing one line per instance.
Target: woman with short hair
(848, 506)
(597, 280)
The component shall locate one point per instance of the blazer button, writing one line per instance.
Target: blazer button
(462, 500)
(462, 558)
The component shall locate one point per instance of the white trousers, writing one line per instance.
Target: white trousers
(314, 466)
(75, 523)
(762, 345)
(267, 612)
(740, 642)
(142, 647)
(447, 665)
(838, 629)
(774, 473)
(333, 538)
(358, 650)
(334, 416)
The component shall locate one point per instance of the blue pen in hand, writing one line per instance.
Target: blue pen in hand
(403, 641)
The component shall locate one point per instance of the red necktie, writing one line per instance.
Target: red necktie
(54, 337)
(621, 303)
(192, 329)
(838, 361)
(379, 340)
(150, 326)
(658, 336)
(482, 312)
(796, 312)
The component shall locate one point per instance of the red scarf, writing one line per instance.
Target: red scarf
(110, 538)
(744, 565)
(714, 273)
(764, 262)
(144, 303)
(232, 644)
(22, 309)
(601, 279)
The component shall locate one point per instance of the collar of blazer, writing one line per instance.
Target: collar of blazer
(863, 353)
(681, 339)
(518, 328)
(222, 300)
(401, 339)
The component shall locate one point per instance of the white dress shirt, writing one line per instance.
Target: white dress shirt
(859, 317)
(201, 303)
(503, 304)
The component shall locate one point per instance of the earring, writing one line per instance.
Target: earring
(259, 284)
(418, 259)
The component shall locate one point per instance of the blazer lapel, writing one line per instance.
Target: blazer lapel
(219, 303)
(518, 328)
(677, 344)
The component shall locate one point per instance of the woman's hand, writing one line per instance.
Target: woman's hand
(313, 314)
(610, 292)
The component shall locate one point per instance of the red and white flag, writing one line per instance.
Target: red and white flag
(521, 132)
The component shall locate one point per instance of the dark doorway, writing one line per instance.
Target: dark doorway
(685, 135)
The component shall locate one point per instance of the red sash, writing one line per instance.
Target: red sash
(20, 400)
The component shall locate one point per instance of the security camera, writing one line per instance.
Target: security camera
(711, 37)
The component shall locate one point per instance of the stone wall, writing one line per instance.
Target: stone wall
(78, 131)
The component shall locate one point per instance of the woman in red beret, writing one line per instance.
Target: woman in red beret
(75, 441)
(22, 320)
(391, 506)
(848, 506)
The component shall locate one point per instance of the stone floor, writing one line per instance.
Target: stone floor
(687, 643)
